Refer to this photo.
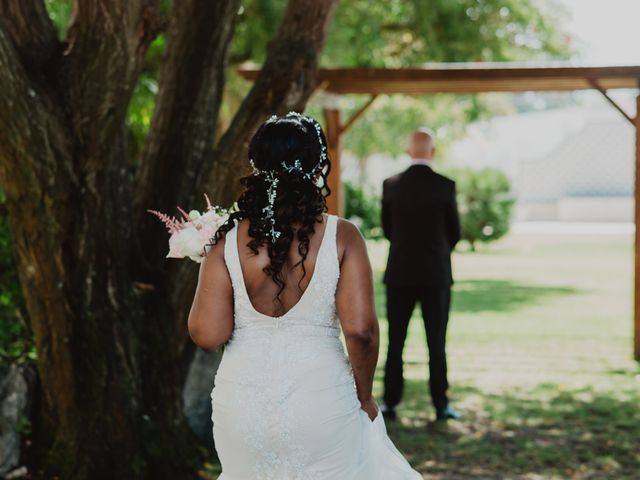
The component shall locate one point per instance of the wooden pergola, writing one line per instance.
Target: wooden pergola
(468, 78)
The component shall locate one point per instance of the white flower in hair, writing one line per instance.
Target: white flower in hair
(271, 178)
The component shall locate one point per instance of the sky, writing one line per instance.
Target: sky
(605, 31)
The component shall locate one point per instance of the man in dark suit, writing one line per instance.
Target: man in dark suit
(420, 219)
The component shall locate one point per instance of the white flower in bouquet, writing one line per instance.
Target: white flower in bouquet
(190, 235)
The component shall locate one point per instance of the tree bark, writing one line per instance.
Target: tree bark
(28, 24)
(107, 311)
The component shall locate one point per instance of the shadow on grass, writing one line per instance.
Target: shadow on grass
(542, 433)
(500, 295)
(483, 295)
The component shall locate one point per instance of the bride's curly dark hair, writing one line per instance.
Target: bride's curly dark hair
(299, 200)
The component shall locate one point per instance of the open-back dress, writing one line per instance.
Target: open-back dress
(284, 402)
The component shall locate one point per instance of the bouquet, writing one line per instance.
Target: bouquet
(190, 234)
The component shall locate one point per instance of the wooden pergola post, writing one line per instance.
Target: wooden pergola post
(635, 121)
(333, 131)
(636, 313)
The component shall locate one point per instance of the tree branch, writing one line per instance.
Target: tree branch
(106, 45)
(285, 83)
(14, 102)
(23, 105)
(28, 25)
(183, 127)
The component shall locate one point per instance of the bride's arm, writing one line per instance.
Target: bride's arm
(211, 317)
(356, 310)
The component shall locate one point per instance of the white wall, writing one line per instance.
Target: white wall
(577, 209)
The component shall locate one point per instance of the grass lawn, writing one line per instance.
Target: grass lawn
(540, 365)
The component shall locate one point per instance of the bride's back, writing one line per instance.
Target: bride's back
(266, 295)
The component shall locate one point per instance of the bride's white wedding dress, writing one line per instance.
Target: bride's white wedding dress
(284, 402)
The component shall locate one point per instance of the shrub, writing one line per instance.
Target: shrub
(484, 202)
(363, 209)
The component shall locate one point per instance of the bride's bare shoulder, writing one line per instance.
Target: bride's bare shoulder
(347, 227)
(348, 236)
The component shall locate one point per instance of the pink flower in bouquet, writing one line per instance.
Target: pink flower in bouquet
(190, 234)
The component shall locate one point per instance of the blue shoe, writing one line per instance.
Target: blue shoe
(447, 413)
(388, 413)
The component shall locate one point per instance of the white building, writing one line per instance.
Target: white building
(570, 164)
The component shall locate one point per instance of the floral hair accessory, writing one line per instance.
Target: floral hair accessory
(271, 176)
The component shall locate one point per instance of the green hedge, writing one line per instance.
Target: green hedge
(485, 203)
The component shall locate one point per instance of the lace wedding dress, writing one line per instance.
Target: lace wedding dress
(284, 402)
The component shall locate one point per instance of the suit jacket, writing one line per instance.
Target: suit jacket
(420, 219)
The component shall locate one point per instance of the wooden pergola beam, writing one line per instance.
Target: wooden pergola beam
(470, 78)
(357, 114)
(605, 94)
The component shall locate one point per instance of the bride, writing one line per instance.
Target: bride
(280, 282)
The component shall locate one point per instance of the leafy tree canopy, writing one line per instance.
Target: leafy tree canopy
(397, 33)
(393, 33)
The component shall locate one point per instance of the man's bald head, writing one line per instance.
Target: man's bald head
(422, 144)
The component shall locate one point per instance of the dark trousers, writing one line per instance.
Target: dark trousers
(434, 302)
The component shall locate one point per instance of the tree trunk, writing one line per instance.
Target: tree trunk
(65, 173)
(108, 312)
